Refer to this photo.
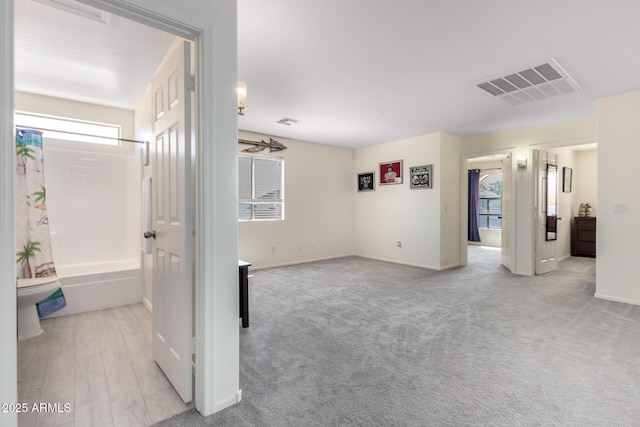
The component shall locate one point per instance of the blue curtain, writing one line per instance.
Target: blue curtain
(474, 181)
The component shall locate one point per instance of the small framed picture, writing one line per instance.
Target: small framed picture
(567, 176)
(366, 181)
(421, 176)
(390, 172)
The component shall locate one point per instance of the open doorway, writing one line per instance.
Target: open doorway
(217, 380)
(573, 235)
(489, 209)
(82, 63)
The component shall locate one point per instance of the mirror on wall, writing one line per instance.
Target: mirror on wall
(551, 200)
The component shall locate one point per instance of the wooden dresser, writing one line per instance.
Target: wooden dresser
(583, 236)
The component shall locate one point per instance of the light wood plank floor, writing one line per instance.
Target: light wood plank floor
(101, 364)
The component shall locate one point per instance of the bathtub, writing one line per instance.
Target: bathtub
(96, 286)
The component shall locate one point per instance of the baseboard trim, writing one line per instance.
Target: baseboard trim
(616, 299)
(303, 261)
(230, 401)
(147, 304)
(411, 264)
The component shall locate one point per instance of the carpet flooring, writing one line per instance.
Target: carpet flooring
(359, 342)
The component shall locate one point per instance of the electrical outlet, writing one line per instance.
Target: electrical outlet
(273, 249)
(399, 244)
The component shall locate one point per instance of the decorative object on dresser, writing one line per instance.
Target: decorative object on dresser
(583, 236)
(585, 209)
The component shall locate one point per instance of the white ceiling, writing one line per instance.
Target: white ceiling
(357, 72)
(61, 54)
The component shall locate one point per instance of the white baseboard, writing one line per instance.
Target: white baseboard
(302, 261)
(616, 299)
(411, 264)
(230, 401)
(147, 304)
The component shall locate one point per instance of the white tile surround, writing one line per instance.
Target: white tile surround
(100, 363)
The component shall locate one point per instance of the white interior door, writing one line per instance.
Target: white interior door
(546, 257)
(505, 254)
(172, 258)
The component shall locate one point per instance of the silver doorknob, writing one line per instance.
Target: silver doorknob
(149, 234)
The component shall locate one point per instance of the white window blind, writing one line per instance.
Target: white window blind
(260, 188)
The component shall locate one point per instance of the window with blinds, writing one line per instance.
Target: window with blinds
(260, 188)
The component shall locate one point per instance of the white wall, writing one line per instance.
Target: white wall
(93, 197)
(585, 180)
(416, 218)
(617, 234)
(319, 190)
(448, 174)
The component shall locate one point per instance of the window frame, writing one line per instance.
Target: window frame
(62, 128)
(259, 201)
(484, 219)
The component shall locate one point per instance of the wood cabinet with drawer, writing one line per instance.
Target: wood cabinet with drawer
(583, 236)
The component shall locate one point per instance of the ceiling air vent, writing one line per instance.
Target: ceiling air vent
(287, 121)
(533, 83)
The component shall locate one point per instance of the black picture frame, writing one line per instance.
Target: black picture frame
(567, 178)
(366, 181)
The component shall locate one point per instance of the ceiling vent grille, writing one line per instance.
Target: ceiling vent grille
(287, 121)
(533, 83)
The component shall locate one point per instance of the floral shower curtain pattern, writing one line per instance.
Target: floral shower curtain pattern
(33, 243)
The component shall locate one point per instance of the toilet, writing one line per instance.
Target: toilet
(30, 292)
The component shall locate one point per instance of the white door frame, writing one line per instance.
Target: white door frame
(464, 203)
(217, 349)
(8, 321)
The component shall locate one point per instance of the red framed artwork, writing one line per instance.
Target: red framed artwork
(390, 172)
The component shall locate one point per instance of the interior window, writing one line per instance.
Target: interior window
(70, 129)
(260, 188)
(490, 201)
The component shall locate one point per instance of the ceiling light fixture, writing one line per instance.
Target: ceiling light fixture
(242, 98)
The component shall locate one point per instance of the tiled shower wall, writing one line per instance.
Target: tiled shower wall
(93, 205)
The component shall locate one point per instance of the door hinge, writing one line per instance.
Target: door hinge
(192, 83)
(193, 345)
